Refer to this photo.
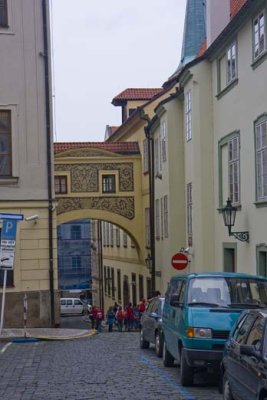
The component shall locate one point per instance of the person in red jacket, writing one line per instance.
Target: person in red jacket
(129, 316)
(93, 316)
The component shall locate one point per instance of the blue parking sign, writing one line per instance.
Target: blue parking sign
(9, 229)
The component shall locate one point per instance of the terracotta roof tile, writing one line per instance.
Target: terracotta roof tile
(235, 6)
(116, 147)
(135, 94)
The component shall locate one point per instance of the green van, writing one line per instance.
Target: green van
(199, 312)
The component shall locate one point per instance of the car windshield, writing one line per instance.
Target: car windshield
(227, 292)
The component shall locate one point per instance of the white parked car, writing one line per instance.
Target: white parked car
(70, 305)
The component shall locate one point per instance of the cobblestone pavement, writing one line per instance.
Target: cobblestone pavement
(103, 367)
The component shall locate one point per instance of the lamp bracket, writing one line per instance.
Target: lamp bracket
(242, 236)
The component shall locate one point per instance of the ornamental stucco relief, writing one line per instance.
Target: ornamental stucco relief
(123, 206)
(84, 177)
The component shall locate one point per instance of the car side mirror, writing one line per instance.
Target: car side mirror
(249, 350)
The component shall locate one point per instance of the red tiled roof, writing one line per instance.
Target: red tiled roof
(235, 6)
(116, 147)
(135, 94)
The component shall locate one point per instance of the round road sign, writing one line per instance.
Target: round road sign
(179, 261)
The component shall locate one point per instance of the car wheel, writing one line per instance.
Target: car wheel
(144, 344)
(168, 359)
(187, 373)
(227, 394)
(158, 344)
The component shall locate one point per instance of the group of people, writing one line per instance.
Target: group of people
(124, 319)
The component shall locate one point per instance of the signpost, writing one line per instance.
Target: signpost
(179, 261)
(7, 251)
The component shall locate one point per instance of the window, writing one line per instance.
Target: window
(5, 143)
(109, 281)
(165, 216)
(3, 14)
(125, 239)
(75, 232)
(261, 252)
(229, 168)
(255, 336)
(76, 262)
(119, 284)
(134, 288)
(141, 287)
(111, 235)
(161, 218)
(131, 110)
(147, 226)
(112, 283)
(163, 140)
(60, 184)
(189, 213)
(108, 183)
(145, 159)
(233, 157)
(157, 155)
(105, 280)
(259, 35)
(231, 63)
(157, 222)
(261, 159)
(188, 116)
(118, 237)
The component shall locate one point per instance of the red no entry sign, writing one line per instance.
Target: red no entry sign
(179, 261)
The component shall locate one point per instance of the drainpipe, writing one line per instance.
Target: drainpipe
(151, 197)
(100, 264)
(49, 161)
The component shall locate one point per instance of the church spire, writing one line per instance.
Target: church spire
(194, 30)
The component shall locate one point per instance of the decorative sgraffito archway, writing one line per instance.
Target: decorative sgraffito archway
(100, 181)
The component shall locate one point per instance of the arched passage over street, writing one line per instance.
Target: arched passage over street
(101, 181)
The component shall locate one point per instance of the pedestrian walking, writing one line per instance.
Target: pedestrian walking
(136, 323)
(99, 319)
(93, 317)
(110, 317)
(129, 316)
(120, 318)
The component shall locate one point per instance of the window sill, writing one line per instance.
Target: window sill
(8, 181)
(260, 204)
(259, 60)
(227, 88)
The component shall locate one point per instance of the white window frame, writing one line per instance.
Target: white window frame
(234, 169)
(161, 218)
(188, 115)
(145, 156)
(163, 128)
(189, 204)
(118, 236)
(165, 217)
(259, 35)
(261, 160)
(157, 219)
(147, 226)
(231, 68)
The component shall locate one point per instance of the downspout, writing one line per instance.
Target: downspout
(151, 197)
(49, 162)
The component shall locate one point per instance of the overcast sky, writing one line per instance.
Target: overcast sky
(102, 47)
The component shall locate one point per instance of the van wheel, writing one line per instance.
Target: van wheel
(144, 344)
(168, 359)
(227, 394)
(187, 373)
(158, 344)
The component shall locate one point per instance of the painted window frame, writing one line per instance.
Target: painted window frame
(188, 115)
(234, 169)
(75, 232)
(118, 236)
(231, 63)
(261, 248)
(108, 183)
(261, 152)
(224, 141)
(147, 226)
(257, 29)
(157, 219)
(125, 239)
(61, 184)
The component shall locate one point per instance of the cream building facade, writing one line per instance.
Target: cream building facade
(26, 173)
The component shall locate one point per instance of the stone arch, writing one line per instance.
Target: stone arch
(128, 226)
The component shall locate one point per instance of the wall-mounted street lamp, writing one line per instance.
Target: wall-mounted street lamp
(229, 214)
(148, 262)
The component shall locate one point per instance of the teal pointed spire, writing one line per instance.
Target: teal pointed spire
(194, 30)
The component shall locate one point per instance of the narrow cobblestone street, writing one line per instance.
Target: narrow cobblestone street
(105, 366)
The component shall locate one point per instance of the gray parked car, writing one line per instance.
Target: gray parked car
(151, 325)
